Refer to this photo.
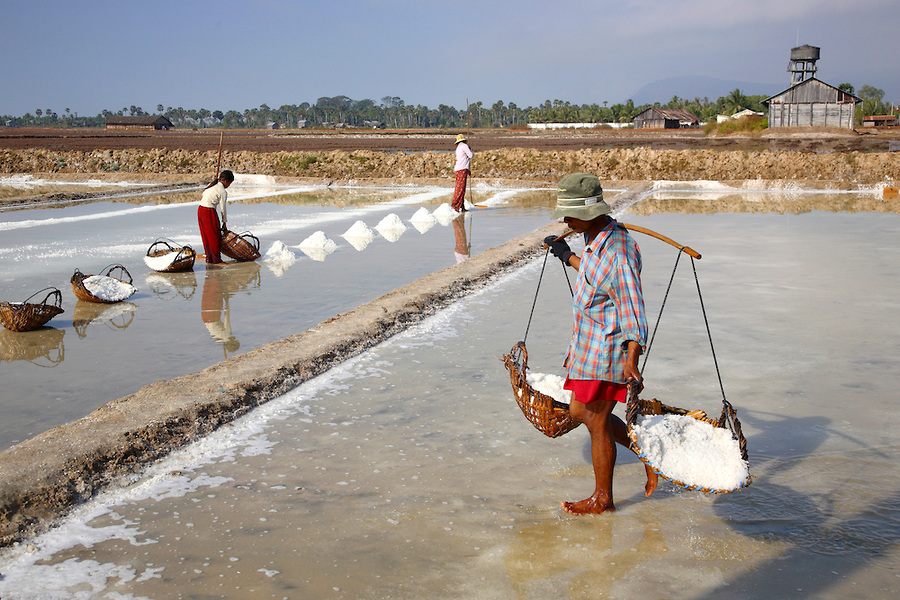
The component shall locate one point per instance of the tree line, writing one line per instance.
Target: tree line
(393, 112)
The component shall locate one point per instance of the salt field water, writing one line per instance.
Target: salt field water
(180, 323)
(409, 472)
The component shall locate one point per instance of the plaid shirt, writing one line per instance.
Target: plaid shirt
(608, 306)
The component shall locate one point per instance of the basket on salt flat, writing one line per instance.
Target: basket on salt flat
(164, 256)
(104, 288)
(688, 448)
(243, 247)
(28, 316)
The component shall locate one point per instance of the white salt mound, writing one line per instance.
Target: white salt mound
(318, 241)
(390, 223)
(444, 210)
(422, 216)
(691, 451)
(359, 230)
(280, 253)
(550, 385)
(161, 262)
(108, 288)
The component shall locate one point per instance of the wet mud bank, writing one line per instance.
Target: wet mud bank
(45, 476)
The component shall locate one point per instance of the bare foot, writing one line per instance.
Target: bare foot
(587, 506)
(652, 481)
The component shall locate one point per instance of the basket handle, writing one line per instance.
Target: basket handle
(162, 241)
(110, 268)
(57, 296)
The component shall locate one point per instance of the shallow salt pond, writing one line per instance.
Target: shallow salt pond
(409, 472)
(180, 323)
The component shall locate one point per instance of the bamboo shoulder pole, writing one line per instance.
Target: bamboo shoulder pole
(686, 249)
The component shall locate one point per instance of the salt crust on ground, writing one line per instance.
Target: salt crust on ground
(108, 288)
(550, 385)
(692, 452)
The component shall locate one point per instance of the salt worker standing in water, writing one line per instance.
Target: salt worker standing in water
(610, 329)
(214, 195)
(462, 169)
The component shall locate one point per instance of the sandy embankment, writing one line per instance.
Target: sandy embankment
(502, 165)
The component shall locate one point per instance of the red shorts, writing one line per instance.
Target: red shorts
(590, 390)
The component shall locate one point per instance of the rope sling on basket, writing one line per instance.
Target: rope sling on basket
(28, 316)
(243, 247)
(165, 256)
(651, 424)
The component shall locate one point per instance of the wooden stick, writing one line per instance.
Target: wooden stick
(686, 249)
(219, 160)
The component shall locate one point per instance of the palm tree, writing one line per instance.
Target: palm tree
(736, 101)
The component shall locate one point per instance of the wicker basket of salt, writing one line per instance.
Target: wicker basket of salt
(689, 448)
(165, 256)
(241, 247)
(106, 287)
(543, 409)
(28, 316)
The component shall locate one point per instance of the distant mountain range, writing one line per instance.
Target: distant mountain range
(699, 86)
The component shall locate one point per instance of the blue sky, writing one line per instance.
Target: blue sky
(95, 54)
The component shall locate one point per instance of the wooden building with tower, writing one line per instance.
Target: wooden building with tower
(810, 102)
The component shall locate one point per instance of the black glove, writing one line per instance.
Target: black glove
(559, 248)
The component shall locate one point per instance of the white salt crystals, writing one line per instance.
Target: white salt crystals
(549, 385)
(391, 228)
(445, 214)
(161, 262)
(359, 236)
(108, 288)
(691, 452)
(317, 246)
(423, 220)
(278, 258)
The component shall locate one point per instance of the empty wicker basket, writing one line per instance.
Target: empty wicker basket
(165, 256)
(82, 293)
(243, 247)
(27, 316)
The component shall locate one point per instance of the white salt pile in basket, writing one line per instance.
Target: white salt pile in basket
(162, 261)
(423, 220)
(108, 288)
(359, 235)
(549, 385)
(391, 227)
(692, 452)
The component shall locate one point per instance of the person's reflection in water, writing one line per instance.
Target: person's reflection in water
(214, 311)
(462, 248)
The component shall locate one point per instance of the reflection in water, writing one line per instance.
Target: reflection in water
(42, 347)
(167, 285)
(463, 248)
(218, 288)
(579, 554)
(115, 316)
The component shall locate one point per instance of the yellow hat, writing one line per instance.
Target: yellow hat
(460, 138)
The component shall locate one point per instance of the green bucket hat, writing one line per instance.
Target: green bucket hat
(580, 196)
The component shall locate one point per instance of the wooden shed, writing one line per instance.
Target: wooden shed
(665, 118)
(156, 122)
(811, 103)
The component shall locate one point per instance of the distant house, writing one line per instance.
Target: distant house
(666, 118)
(811, 103)
(880, 121)
(156, 122)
